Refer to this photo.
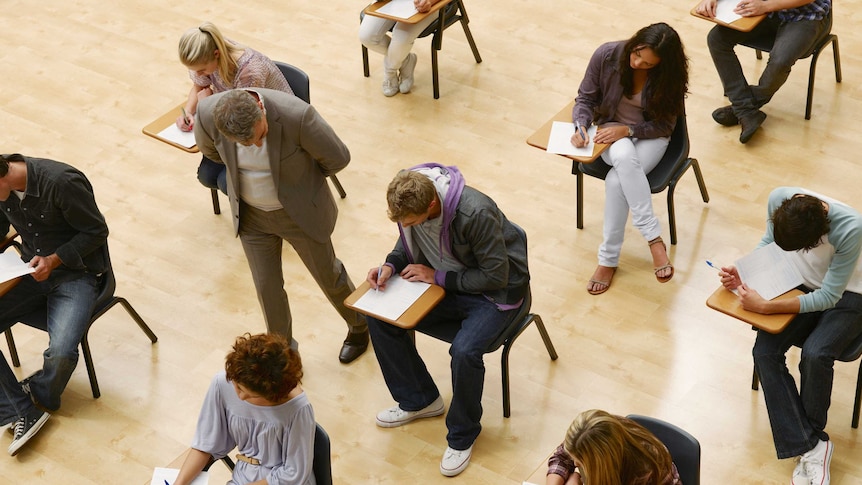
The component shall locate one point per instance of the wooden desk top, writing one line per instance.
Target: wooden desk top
(162, 122)
(372, 10)
(539, 139)
(538, 476)
(744, 24)
(726, 302)
(409, 318)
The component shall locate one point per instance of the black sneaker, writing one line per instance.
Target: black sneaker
(25, 428)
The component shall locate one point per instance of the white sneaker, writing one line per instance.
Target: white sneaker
(390, 83)
(25, 428)
(406, 73)
(816, 463)
(395, 416)
(455, 461)
(799, 475)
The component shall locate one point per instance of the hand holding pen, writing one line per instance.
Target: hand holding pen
(729, 276)
(378, 276)
(185, 122)
(581, 138)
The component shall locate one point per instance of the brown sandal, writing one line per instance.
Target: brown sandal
(656, 271)
(603, 285)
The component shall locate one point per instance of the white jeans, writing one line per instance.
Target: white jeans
(627, 188)
(372, 34)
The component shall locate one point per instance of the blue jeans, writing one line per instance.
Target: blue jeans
(792, 41)
(212, 175)
(68, 304)
(798, 418)
(409, 382)
(14, 403)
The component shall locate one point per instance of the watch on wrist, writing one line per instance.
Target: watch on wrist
(631, 131)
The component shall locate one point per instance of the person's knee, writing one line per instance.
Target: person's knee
(466, 353)
(717, 39)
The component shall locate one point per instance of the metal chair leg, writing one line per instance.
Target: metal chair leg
(13, 351)
(216, 205)
(338, 186)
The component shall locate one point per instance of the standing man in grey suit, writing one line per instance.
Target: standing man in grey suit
(278, 151)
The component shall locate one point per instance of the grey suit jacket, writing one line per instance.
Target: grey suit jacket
(303, 150)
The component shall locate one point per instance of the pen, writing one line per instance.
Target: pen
(379, 274)
(709, 263)
(166, 483)
(186, 120)
(580, 132)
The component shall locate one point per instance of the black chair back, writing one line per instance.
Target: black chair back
(298, 80)
(683, 447)
(322, 466)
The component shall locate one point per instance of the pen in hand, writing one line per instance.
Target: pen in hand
(709, 263)
(379, 274)
(185, 117)
(580, 130)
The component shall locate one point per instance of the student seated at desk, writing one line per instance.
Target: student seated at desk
(256, 405)
(604, 449)
(634, 90)
(824, 237)
(398, 61)
(217, 64)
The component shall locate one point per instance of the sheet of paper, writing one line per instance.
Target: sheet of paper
(392, 302)
(174, 134)
(169, 475)
(11, 266)
(769, 271)
(560, 141)
(724, 11)
(403, 9)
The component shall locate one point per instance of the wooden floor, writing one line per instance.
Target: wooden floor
(81, 78)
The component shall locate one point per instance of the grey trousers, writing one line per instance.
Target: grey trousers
(262, 233)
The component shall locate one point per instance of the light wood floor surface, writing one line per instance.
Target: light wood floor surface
(81, 78)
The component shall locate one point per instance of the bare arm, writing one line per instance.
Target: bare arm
(195, 461)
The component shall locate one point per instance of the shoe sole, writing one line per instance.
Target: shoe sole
(16, 445)
(395, 424)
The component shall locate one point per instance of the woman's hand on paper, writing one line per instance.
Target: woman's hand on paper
(423, 6)
(751, 8)
(418, 272)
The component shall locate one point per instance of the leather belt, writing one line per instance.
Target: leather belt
(250, 461)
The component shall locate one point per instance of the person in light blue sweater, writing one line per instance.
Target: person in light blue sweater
(824, 237)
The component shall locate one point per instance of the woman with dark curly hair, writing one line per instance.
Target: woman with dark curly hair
(256, 405)
(634, 90)
(605, 449)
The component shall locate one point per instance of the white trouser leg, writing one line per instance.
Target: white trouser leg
(627, 189)
(372, 34)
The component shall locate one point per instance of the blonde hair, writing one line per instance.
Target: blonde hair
(199, 46)
(613, 450)
(409, 194)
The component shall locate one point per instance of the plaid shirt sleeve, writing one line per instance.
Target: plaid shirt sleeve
(560, 463)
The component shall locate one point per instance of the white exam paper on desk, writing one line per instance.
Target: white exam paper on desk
(769, 271)
(394, 300)
(161, 476)
(403, 9)
(560, 141)
(12, 267)
(173, 134)
(724, 11)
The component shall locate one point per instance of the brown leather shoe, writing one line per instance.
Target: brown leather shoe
(724, 116)
(750, 124)
(354, 345)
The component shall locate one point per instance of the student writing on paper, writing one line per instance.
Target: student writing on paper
(635, 91)
(64, 237)
(398, 61)
(217, 64)
(257, 406)
(825, 236)
(456, 237)
(604, 449)
(795, 26)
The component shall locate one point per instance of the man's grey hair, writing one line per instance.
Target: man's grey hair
(235, 115)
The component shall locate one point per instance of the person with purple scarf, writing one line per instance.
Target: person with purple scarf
(454, 236)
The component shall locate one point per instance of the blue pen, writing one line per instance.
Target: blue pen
(166, 483)
(709, 263)
(580, 130)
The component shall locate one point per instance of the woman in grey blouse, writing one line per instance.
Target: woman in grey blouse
(258, 406)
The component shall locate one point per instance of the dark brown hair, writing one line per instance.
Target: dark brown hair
(799, 223)
(264, 364)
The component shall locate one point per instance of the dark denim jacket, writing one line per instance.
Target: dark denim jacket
(58, 216)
